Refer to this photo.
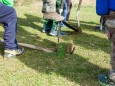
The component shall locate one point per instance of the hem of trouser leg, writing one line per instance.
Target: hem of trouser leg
(10, 49)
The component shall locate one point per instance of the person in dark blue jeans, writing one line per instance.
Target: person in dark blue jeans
(64, 13)
(65, 10)
(8, 18)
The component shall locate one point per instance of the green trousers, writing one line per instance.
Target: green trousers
(50, 24)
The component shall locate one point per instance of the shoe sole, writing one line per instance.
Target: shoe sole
(15, 55)
(52, 34)
(22, 52)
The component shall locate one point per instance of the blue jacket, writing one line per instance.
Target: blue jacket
(104, 6)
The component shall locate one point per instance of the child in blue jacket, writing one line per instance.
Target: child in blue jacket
(106, 8)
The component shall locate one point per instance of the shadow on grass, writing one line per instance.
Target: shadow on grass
(34, 39)
(74, 68)
(86, 25)
(89, 41)
(30, 21)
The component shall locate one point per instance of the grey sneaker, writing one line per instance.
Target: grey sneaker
(53, 32)
(13, 53)
(43, 30)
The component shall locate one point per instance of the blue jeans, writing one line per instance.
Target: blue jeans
(64, 14)
(8, 18)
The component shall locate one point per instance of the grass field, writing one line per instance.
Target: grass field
(38, 68)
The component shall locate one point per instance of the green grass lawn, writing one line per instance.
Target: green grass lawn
(38, 68)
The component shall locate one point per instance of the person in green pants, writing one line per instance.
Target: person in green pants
(50, 24)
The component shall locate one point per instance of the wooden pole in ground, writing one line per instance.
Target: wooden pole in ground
(70, 48)
(77, 16)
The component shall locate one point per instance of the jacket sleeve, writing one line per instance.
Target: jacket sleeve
(8, 2)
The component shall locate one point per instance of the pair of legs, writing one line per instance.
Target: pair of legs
(109, 79)
(69, 7)
(111, 36)
(64, 13)
(50, 26)
(8, 18)
(51, 15)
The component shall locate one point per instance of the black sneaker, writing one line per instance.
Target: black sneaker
(13, 53)
(104, 80)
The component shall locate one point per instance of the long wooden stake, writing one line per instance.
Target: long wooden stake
(77, 15)
(35, 47)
